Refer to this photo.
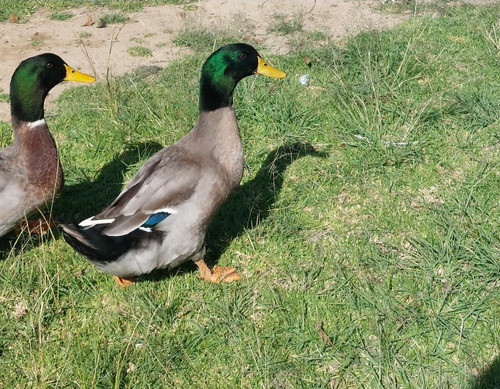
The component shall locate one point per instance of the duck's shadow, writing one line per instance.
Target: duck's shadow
(249, 205)
(489, 378)
(85, 198)
(91, 196)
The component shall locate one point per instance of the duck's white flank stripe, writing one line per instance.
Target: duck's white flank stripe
(90, 222)
(166, 210)
(37, 123)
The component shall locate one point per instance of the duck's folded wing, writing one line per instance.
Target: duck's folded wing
(158, 188)
(13, 189)
(8, 173)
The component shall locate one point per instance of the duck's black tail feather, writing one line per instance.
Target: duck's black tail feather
(91, 243)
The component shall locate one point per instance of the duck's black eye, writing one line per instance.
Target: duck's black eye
(242, 56)
(49, 65)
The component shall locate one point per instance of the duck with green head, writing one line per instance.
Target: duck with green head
(30, 171)
(160, 219)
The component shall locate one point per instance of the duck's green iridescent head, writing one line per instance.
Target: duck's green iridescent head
(225, 68)
(32, 81)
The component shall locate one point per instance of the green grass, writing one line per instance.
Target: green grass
(84, 35)
(286, 24)
(24, 9)
(370, 203)
(139, 51)
(61, 16)
(36, 42)
(113, 18)
(198, 36)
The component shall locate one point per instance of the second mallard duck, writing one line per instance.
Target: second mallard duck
(30, 172)
(160, 219)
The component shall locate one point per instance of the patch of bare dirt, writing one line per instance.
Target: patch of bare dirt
(103, 51)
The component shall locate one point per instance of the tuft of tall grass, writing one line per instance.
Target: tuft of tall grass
(24, 9)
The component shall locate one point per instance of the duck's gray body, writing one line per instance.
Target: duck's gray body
(160, 219)
(188, 180)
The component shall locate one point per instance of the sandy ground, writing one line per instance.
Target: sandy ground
(101, 51)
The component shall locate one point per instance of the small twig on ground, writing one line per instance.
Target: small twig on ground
(323, 334)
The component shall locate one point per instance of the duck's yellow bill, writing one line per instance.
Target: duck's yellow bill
(267, 70)
(75, 75)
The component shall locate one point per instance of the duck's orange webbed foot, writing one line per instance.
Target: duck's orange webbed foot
(217, 274)
(124, 282)
(34, 227)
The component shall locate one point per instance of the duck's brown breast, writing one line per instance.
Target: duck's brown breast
(40, 159)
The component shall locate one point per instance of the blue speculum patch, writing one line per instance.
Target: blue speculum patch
(155, 219)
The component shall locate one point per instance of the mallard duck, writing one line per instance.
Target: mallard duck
(30, 171)
(160, 218)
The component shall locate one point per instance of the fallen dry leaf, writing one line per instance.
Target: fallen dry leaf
(131, 367)
(89, 21)
(307, 60)
(20, 310)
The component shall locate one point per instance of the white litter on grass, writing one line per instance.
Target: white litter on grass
(304, 79)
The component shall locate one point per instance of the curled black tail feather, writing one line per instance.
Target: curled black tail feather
(97, 247)
(91, 243)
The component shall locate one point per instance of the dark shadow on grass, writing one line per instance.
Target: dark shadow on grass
(489, 378)
(252, 202)
(87, 198)
(82, 200)
(248, 206)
